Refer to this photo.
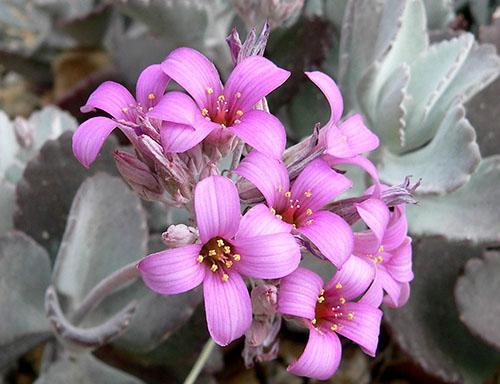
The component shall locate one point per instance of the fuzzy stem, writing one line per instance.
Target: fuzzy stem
(200, 363)
(107, 286)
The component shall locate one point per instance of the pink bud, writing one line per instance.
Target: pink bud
(179, 235)
(264, 299)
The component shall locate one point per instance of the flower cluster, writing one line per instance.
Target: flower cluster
(287, 197)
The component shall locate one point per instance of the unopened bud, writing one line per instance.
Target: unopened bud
(252, 45)
(179, 235)
(264, 299)
(254, 12)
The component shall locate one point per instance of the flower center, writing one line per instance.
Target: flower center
(292, 210)
(219, 256)
(221, 111)
(330, 311)
(377, 258)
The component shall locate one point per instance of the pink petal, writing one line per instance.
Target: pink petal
(331, 92)
(359, 161)
(112, 98)
(173, 271)
(267, 256)
(321, 357)
(396, 229)
(217, 207)
(298, 293)
(375, 214)
(351, 138)
(331, 234)
(364, 328)
(403, 297)
(352, 280)
(388, 283)
(262, 131)
(375, 294)
(252, 79)
(267, 174)
(399, 266)
(227, 306)
(89, 138)
(195, 73)
(318, 184)
(260, 221)
(365, 243)
(177, 138)
(151, 86)
(177, 107)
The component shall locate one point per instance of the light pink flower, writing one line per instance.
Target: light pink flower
(328, 311)
(126, 112)
(255, 245)
(220, 110)
(299, 203)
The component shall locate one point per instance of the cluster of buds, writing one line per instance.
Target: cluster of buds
(288, 196)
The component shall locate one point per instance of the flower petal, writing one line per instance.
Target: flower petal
(365, 243)
(359, 161)
(260, 221)
(177, 107)
(89, 138)
(399, 266)
(351, 138)
(217, 207)
(331, 234)
(364, 327)
(389, 284)
(331, 92)
(352, 279)
(267, 256)
(151, 86)
(396, 229)
(375, 214)
(251, 80)
(267, 174)
(318, 184)
(298, 293)
(262, 131)
(177, 138)
(112, 98)
(404, 295)
(193, 72)
(228, 307)
(375, 294)
(173, 271)
(321, 357)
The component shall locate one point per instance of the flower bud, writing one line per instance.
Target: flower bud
(264, 299)
(179, 235)
(254, 12)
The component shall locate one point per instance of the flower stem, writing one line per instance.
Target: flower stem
(200, 363)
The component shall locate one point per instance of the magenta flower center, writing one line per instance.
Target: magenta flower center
(222, 111)
(218, 255)
(330, 311)
(294, 210)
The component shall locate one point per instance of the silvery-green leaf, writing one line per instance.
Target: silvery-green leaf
(24, 276)
(106, 230)
(439, 13)
(470, 212)
(47, 188)
(334, 11)
(8, 145)
(445, 164)
(477, 298)
(428, 328)
(7, 205)
(85, 369)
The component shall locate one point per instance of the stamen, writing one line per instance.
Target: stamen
(212, 252)
(273, 211)
(314, 321)
(200, 259)
(334, 327)
(307, 193)
(239, 112)
(210, 90)
(125, 110)
(342, 300)
(381, 248)
(220, 242)
(236, 257)
(150, 109)
(238, 95)
(309, 222)
(223, 126)
(225, 277)
(221, 98)
(288, 194)
(227, 249)
(350, 316)
(321, 299)
(280, 188)
(214, 267)
(229, 263)
(122, 121)
(208, 118)
(279, 217)
(151, 96)
(309, 212)
(338, 285)
(237, 121)
(204, 111)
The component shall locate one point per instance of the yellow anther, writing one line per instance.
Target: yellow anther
(220, 242)
(210, 90)
(214, 267)
(381, 248)
(294, 226)
(236, 257)
(239, 112)
(238, 95)
(223, 126)
(225, 277)
(227, 249)
(122, 121)
(229, 263)
(321, 299)
(370, 256)
(309, 222)
(342, 300)
(307, 193)
(350, 316)
(334, 327)
(273, 211)
(212, 252)
(379, 259)
(200, 259)
(237, 121)
(279, 217)
(338, 285)
(309, 212)
(288, 194)
(280, 188)
(150, 109)
(125, 110)
(221, 98)
(151, 96)
(314, 321)
(204, 111)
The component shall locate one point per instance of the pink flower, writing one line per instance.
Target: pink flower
(299, 203)
(220, 110)
(255, 245)
(345, 142)
(387, 246)
(328, 311)
(126, 112)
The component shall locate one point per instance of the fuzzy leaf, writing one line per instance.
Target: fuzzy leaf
(470, 212)
(24, 276)
(476, 295)
(47, 188)
(106, 230)
(445, 164)
(428, 328)
(86, 369)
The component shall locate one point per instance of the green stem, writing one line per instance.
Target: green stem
(200, 363)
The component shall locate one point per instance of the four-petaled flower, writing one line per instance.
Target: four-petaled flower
(299, 203)
(328, 310)
(255, 245)
(217, 110)
(127, 113)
